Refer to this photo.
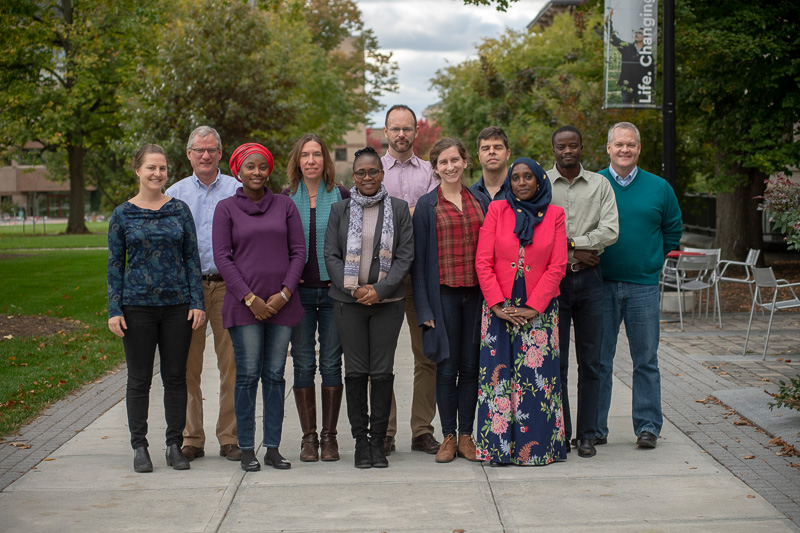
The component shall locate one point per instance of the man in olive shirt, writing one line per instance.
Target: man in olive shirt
(592, 225)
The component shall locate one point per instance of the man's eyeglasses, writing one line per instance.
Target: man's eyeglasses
(373, 173)
(211, 151)
(407, 131)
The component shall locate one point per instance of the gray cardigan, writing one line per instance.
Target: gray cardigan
(402, 251)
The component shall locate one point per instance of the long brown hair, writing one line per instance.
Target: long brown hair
(293, 168)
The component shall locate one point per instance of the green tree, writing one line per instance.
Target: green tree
(738, 87)
(63, 67)
(531, 83)
(256, 74)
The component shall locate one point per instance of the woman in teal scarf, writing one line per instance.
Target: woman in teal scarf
(312, 188)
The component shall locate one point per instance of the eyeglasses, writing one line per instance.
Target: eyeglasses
(373, 173)
(395, 131)
(211, 151)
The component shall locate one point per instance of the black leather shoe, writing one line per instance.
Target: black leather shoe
(646, 440)
(586, 448)
(496, 464)
(249, 462)
(426, 443)
(573, 442)
(141, 460)
(600, 441)
(175, 458)
(276, 460)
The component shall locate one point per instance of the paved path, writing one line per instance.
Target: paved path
(688, 483)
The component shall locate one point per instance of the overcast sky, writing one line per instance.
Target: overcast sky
(426, 35)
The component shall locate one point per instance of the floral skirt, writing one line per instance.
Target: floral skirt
(520, 418)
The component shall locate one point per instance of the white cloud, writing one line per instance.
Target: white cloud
(425, 35)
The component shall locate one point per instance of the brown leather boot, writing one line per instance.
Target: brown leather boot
(448, 449)
(466, 448)
(331, 402)
(306, 400)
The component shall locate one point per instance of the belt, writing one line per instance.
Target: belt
(577, 267)
(212, 277)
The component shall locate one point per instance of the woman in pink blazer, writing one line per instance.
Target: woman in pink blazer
(521, 259)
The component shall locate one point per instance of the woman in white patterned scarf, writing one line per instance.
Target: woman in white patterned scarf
(369, 248)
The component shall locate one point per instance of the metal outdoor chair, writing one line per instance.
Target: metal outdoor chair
(747, 265)
(691, 273)
(765, 278)
(717, 252)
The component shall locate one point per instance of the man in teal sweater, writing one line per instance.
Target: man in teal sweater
(649, 228)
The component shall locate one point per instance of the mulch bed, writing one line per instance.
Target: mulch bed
(34, 326)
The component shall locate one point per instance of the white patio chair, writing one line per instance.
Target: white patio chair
(717, 253)
(765, 278)
(746, 265)
(691, 273)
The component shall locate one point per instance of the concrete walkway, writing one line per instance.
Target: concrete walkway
(88, 484)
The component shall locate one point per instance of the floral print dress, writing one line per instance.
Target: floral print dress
(520, 418)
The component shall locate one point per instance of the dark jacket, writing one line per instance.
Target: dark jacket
(402, 251)
(425, 275)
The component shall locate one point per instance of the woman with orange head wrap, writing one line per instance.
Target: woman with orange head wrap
(259, 249)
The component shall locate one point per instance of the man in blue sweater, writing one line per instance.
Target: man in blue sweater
(650, 227)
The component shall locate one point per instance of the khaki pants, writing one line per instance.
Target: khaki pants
(423, 403)
(193, 434)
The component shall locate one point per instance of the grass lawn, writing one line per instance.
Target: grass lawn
(35, 371)
(14, 238)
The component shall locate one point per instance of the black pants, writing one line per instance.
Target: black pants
(369, 336)
(167, 328)
(581, 303)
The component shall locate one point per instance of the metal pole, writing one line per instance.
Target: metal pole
(668, 107)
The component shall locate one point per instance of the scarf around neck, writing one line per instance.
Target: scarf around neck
(529, 213)
(325, 200)
(352, 259)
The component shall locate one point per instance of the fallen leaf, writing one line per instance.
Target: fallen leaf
(723, 373)
(788, 360)
(751, 496)
(8, 337)
(105, 437)
(692, 468)
(749, 457)
(49, 459)
(765, 379)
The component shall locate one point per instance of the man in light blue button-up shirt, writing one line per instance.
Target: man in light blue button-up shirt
(202, 191)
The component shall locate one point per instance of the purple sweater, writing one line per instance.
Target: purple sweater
(259, 247)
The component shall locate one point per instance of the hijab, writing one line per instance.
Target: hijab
(529, 213)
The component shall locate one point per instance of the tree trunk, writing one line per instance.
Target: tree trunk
(77, 208)
(738, 217)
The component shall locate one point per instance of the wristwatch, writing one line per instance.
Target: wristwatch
(570, 243)
(249, 302)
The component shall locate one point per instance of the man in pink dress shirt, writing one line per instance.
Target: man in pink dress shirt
(408, 177)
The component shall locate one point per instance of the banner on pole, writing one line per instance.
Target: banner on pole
(631, 35)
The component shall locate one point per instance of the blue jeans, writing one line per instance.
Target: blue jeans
(457, 376)
(638, 306)
(260, 353)
(318, 307)
(581, 303)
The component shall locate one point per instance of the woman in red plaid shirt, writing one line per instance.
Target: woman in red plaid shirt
(447, 295)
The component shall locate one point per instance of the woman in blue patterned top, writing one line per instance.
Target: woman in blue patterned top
(155, 299)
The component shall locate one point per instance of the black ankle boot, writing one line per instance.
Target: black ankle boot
(274, 458)
(363, 455)
(175, 458)
(141, 460)
(249, 462)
